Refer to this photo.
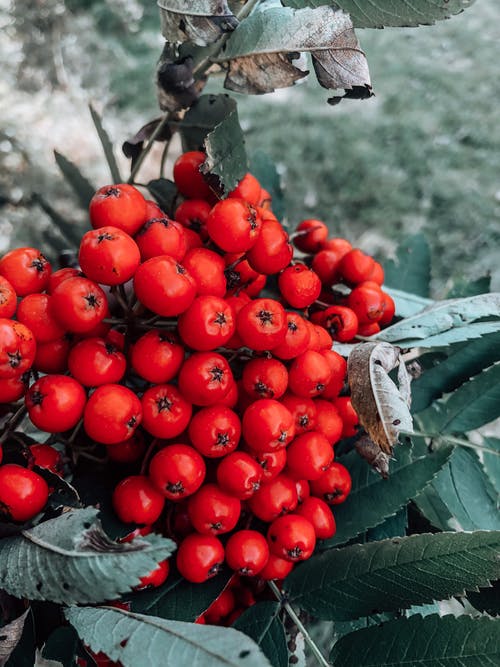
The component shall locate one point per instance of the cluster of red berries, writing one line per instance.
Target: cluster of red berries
(162, 348)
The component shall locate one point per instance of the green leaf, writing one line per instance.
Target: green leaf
(407, 304)
(134, 640)
(459, 335)
(365, 579)
(261, 623)
(487, 599)
(374, 499)
(463, 362)
(106, 144)
(491, 463)
(441, 317)
(226, 155)
(417, 642)
(71, 232)
(466, 494)
(260, 52)
(62, 645)
(474, 404)
(393, 526)
(82, 188)
(411, 271)
(70, 559)
(201, 119)
(390, 13)
(179, 599)
(264, 170)
(199, 21)
(165, 192)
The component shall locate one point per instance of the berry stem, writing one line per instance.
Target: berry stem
(157, 131)
(451, 439)
(291, 613)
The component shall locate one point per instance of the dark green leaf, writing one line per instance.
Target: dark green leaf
(134, 640)
(394, 526)
(260, 51)
(466, 493)
(462, 288)
(107, 146)
(411, 271)
(165, 192)
(365, 579)
(262, 624)
(70, 231)
(487, 599)
(70, 559)
(380, 13)
(62, 645)
(417, 642)
(178, 599)
(201, 119)
(82, 188)
(374, 499)
(491, 463)
(474, 404)
(226, 161)
(446, 375)
(264, 170)
(199, 21)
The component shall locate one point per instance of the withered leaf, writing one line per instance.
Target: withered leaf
(260, 52)
(10, 635)
(383, 408)
(199, 21)
(373, 455)
(177, 88)
(132, 148)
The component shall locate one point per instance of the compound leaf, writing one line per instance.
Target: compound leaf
(261, 623)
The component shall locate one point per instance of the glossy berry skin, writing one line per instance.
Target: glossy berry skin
(338, 366)
(265, 378)
(188, 178)
(212, 511)
(55, 403)
(239, 475)
(247, 552)
(156, 577)
(208, 323)
(215, 431)
(267, 425)
(309, 455)
(220, 607)
(52, 357)
(60, 276)
(325, 264)
(193, 214)
(291, 537)
(297, 338)
(349, 416)
(23, 493)
(94, 361)
(309, 375)
(112, 414)
(177, 471)
(79, 304)
(334, 485)
(45, 456)
(26, 269)
(271, 463)
(127, 451)
(303, 410)
(320, 515)
(276, 568)
(248, 188)
(299, 285)
(8, 298)
(164, 286)
(121, 206)
(272, 251)
(157, 356)
(340, 322)
(367, 301)
(165, 411)
(12, 389)
(205, 378)
(274, 498)
(234, 225)
(17, 349)
(161, 236)
(34, 311)
(207, 269)
(108, 256)
(312, 234)
(356, 267)
(136, 500)
(389, 310)
(199, 557)
(328, 420)
(262, 324)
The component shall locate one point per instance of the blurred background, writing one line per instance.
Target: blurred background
(422, 155)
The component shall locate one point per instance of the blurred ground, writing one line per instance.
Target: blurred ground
(424, 154)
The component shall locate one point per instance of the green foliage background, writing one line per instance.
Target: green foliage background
(424, 154)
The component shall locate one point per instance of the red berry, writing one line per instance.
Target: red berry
(136, 500)
(94, 361)
(309, 455)
(309, 375)
(156, 577)
(272, 251)
(215, 431)
(299, 285)
(157, 356)
(34, 311)
(297, 337)
(274, 498)
(164, 286)
(265, 378)
(165, 411)
(320, 515)
(212, 511)
(334, 485)
(121, 206)
(8, 298)
(112, 414)
(45, 456)
(79, 304)
(348, 414)
(239, 475)
(248, 188)
(200, 557)
(247, 552)
(291, 537)
(55, 403)
(276, 568)
(311, 235)
(108, 255)
(208, 323)
(205, 378)
(234, 225)
(23, 493)
(161, 236)
(267, 425)
(207, 269)
(17, 349)
(262, 324)
(177, 471)
(356, 267)
(188, 177)
(26, 269)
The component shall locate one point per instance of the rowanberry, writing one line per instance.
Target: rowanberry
(199, 557)
(177, 471)
(23, 493)
(247, 552)
(136, 500)
(292, 537)
(120, 205)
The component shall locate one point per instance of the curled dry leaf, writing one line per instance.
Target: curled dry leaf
(10, 636)
(199, 21)
(382, 406)
(373, 455)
